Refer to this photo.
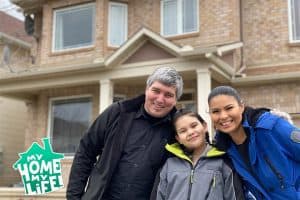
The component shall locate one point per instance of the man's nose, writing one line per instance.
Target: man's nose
(160, 98)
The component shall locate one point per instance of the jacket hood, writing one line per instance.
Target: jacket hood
(209, 151)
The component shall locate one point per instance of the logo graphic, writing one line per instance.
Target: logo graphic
(40, 168)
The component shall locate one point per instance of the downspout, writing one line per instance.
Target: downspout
(243, 65)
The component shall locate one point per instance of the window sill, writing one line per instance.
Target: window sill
(72, 51)
(113, 47)
(294, 43)
(182, 36)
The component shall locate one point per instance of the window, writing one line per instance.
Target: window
(69, 119)
(294, 16)
(74, 27)
(117, 25)
(179, 17)
(187, 100)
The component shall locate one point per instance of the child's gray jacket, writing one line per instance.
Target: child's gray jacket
(210, 179)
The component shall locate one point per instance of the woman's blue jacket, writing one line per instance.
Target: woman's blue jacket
(274, 153)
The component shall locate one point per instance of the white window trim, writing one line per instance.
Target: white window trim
(50, 123)
(54, 27)
(179, 10)
(291, 40)
(126, 22)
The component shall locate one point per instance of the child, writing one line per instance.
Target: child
(197, 171)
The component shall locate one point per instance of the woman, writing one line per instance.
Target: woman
(264, 148)
(197, 171)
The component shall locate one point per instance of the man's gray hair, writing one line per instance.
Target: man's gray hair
(167, 76)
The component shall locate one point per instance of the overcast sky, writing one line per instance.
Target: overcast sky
(11, 9)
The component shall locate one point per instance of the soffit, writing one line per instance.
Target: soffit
(29, 6)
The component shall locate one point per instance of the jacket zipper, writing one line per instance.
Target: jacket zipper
(191, 183)
(278, 175)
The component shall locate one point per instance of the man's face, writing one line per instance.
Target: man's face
(160, 99)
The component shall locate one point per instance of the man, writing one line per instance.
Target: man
(121, 153)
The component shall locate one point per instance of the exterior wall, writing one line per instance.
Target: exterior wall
(219, 24)
(282, 96)
(266, 34)
(19, 59)
(13, 121)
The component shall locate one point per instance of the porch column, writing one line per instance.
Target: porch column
(203, 89)
(106, 94)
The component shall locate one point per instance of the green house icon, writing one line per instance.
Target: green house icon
(40, 168)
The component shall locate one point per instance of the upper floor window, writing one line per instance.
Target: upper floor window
(69, 119)
(179, 17)
(294, 8)
(74, 27)
(117, 24)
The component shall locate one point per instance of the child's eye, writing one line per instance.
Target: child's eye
(180, 131)
(194, 125)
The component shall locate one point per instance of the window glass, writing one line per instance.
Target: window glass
(295, 11)
(189, 16)
(74, 27)
(117, 23)
(179, 16)
(170, 17)
(70, 118)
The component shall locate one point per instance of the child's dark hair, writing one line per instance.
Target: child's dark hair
(183, 112)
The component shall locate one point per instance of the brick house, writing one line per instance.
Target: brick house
(91, 53)
(14, 57)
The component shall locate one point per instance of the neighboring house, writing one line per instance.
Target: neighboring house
(14, 57)
(90, 53)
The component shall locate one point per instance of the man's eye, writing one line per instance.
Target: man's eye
(169, 95)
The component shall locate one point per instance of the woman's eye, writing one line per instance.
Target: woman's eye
(215, 112)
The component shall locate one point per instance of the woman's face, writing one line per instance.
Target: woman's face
(190, 132)
(226, 113)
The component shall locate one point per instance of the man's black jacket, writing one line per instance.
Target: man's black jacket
(105, 139)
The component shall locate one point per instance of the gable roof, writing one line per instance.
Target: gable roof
(13, 27)
(138, 40)
(12, 31)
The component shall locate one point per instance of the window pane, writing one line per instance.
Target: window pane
(189, 16)
(70, 118)
(117, 24)
(74, 27)
(170, 17)
(296, 19)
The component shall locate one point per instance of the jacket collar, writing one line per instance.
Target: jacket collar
(209, 151)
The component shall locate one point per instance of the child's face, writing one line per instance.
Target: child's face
(190, 132)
